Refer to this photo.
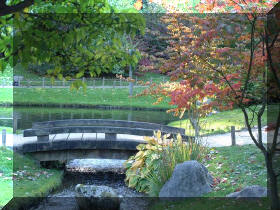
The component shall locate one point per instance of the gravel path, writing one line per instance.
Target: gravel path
(220, 140)
(242, 138)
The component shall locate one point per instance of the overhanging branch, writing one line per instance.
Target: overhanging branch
(6, 10)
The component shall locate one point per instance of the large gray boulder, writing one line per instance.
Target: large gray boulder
(250, 191)
(96, 197)
(189, 179)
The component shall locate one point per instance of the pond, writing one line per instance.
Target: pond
(27, 115)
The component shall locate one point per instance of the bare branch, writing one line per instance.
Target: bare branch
(254, 112)
(274, 40)
(273, 148)
(258, 144)
(273, 70)
(252, 48)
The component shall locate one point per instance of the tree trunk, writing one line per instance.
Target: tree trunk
(272, 183)
(130, 75)
(130, 83)
(195, 124)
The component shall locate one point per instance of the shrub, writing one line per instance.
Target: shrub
(153, 165)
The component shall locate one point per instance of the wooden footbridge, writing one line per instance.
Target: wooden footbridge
(48, 148)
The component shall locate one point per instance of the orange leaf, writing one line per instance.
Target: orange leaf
(138, 5)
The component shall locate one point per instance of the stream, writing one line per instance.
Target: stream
(93, 172)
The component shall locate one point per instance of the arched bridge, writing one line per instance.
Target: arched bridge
(90, 145)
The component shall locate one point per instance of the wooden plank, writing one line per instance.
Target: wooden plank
(89, 136)
(52, 137)
(75, 136)
(88, 129)
(68, 136)
(110, 136)
(61, 136)
(42, 138)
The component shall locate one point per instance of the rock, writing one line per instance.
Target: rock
(250, 191)
(96, 197)
(189, 179)
(96, 165)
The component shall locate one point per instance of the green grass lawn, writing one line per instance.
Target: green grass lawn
(232, 168)
(6, 95)
(6, 170)
(221, 122)
(8, 129)
(6, 112)
(154, 77)
(21, 176)
(235, 167)
(57, 96)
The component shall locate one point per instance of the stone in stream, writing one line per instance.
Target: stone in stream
(189, 179)
(96, 165)
(253, 191)
(96, 197)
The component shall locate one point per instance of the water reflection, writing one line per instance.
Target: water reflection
(26, 115)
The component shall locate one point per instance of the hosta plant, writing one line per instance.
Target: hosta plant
(154, 162)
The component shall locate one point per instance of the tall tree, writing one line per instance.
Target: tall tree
(231, 52)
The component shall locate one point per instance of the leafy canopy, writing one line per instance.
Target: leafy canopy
(78, 36)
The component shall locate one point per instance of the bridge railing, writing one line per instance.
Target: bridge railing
(110, 127)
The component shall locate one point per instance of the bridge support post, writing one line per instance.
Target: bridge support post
(4, 137)
(110, 136)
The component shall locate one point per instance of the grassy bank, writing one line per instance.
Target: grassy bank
(58, 96)
(232, 168)
(221, 122)
(7, 124)
(6, 112)
(22, 177)
(6, 170)
(6, 95)
(235, 167)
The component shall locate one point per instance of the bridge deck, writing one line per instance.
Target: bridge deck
(81, 146)
(19, 140)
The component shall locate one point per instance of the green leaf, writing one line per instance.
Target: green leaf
(60, 76)
(68, 78)
(92, 74)
(73, 43)
(49, 71)
(79, 74)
